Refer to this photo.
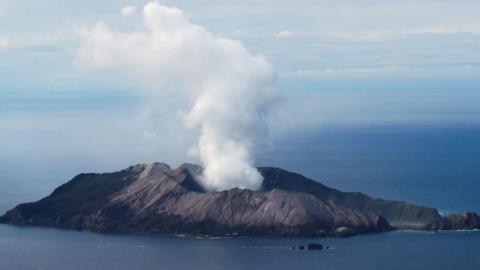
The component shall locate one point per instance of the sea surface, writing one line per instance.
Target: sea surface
(36, 248)
(435, 164)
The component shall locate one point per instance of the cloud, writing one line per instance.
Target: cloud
(4, 42)
(128, 11)
(150, 134)
(284, 33)
(230, 91)
(344, 37)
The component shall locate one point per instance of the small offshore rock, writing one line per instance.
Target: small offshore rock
(313, 246)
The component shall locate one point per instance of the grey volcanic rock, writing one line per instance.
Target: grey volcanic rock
(401, 215)
(157, 199)
(465, 221)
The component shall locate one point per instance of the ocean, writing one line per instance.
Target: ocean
(434, 164)
(37, 248)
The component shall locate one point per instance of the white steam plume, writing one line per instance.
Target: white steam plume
(231, 89)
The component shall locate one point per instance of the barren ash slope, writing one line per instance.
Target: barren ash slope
(158, 199)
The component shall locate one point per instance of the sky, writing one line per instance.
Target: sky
(337, 63)
(314, 45)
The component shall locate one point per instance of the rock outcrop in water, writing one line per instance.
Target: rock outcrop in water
(157, 199)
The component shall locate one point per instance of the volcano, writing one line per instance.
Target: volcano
(154, 198)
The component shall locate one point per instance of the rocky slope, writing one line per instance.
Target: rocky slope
(157, 199)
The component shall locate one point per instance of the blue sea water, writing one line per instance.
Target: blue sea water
(36, 248)
(434, 164)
